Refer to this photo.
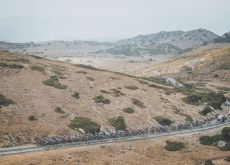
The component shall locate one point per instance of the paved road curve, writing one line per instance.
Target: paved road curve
(35, 148)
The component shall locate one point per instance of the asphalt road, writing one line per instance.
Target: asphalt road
(36, 148)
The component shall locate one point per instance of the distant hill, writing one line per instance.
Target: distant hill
(172, 42)
(223, 39)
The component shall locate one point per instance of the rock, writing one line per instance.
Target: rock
(221, 144)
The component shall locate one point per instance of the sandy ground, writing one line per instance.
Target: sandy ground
(125, 64)
(143, 152)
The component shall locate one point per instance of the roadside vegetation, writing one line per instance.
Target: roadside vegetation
(208, 162)
(227, 159)
(54, 82)
(205, 111)
(118, 123)
(174, 146)
(212, 99)
(213, 140)
(163, 121)
(86, 124)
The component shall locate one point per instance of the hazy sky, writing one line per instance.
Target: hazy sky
(106, 20)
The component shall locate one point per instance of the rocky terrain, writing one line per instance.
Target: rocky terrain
(172, 42)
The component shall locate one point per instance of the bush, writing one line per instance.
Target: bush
(227, 158)
(76, 95)
(174, 146)
(11, 66)
(227, 147)
(83, 72)
(117, 93)
(212, 99)
(101, 99)
(54, 82)
(90, 78)
(38, 68)
(138, 103)
(226, 133)
(118, 123)
(209, 140)
(5, 101)
(157, 80)
(59, 110)
(104, 91)
(129, 110)
(32, 118)
(86, 124)
(208, 162)
(163, 121)
(192, 99)
(132, 87)
(205, 111)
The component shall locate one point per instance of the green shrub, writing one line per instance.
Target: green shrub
(5, 101)
(129, 110)
(209, 140)
(76, 95)
(59, 110)
(104, 91)
(36, 67)
(212, 99)
(132, 87)
(227, 158)
(32, 118)
(59, 74)
(118, 123)
(226, 133)
(138, 103)
(174, 146)
(11, 66)
(163, 121)
(205, 111)
(83, 72)
(227, 146)
(101, 99)
(90, 78)
(54, 82)
(208, 162)
(117, 93)
(192, 99)
(157, 80)
(86, 124)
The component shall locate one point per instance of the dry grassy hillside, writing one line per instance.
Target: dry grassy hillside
(201, 63)
(46, 95)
